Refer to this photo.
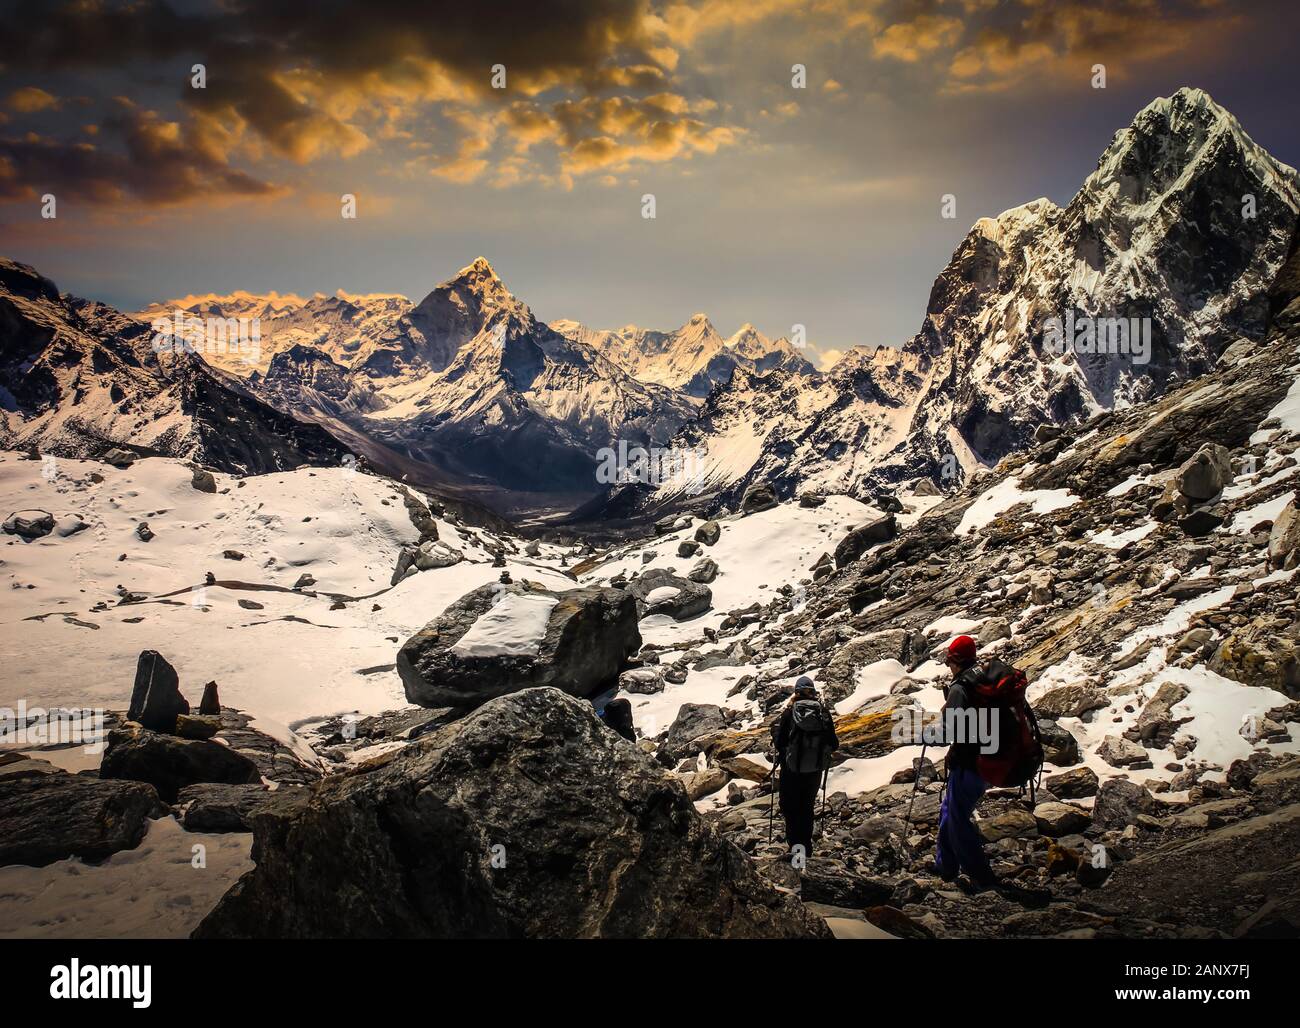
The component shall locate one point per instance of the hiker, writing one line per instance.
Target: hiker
(960, 847)
(618, 716)
(803, 739)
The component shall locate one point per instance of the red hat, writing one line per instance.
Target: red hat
(962, 650)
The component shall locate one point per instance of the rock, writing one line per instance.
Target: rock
(528, 818)
(156, 698)
(203, 481)
(1117, 751)
(231, 808)
(1011, 824)
(1200, 523)
(1206, 474)
(169, 763)
(992, 630)
(1284, 536)
(500, 639)
(642, 680)
(53, 817)
(69, 524)
(197, 726)
(1057, 819)
(1046, 433)
(1042, 586)
(1069, 701)
(699, 784)
(305, 581)
(232, 555)
(211, 701)
(29, 524)
(708, 533)
(1074, 784)
(704, 571)
(687, 598)
(1258, 654)
(432, 555)
(758, 497)
(862, 538)
(687, 548)
(693, 721)
(811, 500)
(1059, 746)
(143, 532)
(119, 458)
(251, 605)
(1155, 726)
(533, 549)
(1120, 801)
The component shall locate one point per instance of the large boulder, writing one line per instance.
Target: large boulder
(215, 808)
(29, 524)
(156, 699)
(862, 538)
(659, 591)
(502, 638)
(1119, 801)
(1284, 537)
(1204, 476)
(169, 763)
(759, 496)
(527, 818)
(693, 721)
(1069, 701)
(53, 817)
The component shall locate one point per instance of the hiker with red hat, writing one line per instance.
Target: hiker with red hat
(1011, 755)
(960, 847)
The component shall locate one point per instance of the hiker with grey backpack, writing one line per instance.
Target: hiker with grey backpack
(803, 739)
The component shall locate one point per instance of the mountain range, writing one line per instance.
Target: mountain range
(1157, 265)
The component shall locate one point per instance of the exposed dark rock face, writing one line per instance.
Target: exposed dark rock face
(526, 818)
(231, 808)
(56, 816)
(578, 641)
(156, 699)
(169, 763)
(863, 537)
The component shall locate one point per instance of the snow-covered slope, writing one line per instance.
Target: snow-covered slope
(92, 600)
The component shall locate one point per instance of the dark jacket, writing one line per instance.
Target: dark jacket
(785, 725)
(958, 697)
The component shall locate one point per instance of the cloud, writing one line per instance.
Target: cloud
(159, 163)
(912, 40)
(29, 99)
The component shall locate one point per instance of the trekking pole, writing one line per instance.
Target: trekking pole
(825, 774)
(771, 803)
(916, 779)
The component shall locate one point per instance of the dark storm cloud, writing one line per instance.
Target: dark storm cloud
(307, 80)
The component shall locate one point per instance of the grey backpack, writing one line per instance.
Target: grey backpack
(809, 747)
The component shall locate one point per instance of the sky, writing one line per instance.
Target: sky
(799, 152)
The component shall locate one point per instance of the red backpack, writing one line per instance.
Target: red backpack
(1019, 756)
